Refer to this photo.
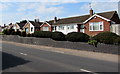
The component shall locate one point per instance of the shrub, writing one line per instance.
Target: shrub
(43, 34)
(77, 37)
(18, 32)
(23, 34)
(11, 31)
(117, 41)
(29, 35)
(8, 31)
(106, 37)
(5, 31)
(93, 42)
(59, 36)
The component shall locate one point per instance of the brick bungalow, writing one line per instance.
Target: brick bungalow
(91, 24)
(32, 26)
(19, 26)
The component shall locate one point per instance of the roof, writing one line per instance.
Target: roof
(36, 24)
(80, 19)
(22, 23)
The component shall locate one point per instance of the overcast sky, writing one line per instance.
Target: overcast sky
(18, 10)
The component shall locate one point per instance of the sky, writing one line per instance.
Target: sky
(18, 10)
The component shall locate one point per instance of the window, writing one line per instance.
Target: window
(61, 27)
(26, 29)
(71, 27)
(45, 28)
(81, 26)
(96, 26)
(31, 29)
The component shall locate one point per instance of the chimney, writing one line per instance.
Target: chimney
(36, 20)
(4, 25)
(55, 19)
(91, 12)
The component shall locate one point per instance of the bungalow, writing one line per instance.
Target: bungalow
(32, 26)
(19, 26)
(90, 24)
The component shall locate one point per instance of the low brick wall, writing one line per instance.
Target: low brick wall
(112, 49)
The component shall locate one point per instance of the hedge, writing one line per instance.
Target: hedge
(59, 36)
(77, 37)
(106, 37)
(43, 34)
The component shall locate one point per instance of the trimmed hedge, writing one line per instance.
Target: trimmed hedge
(59, 36)
(106, 37)
(8, 31)
(43, 34)
(77, 37)
(23, 34)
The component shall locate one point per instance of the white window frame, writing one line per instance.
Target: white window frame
(91, 25)
(61, 27)
(45, 28)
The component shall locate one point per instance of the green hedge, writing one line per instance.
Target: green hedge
(106, 37)
(23, 34)
(8, 31)
(43, 34)
(77, 37)
(59, 36)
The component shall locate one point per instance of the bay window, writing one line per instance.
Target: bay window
(45, 28)
(96, 26)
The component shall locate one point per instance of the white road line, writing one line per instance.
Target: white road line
(58, 51)
(23, 53)
(88, 71)
(85, 70)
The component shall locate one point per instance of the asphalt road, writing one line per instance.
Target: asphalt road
(24, 59)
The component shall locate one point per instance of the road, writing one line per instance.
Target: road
(24, 59)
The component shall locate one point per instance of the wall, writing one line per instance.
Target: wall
(46, 25)
(31, 27)
(112, 49)
(97, 19)
(115, 28)
(66, 30)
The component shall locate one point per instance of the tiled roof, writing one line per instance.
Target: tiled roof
(80, 19)
(36, 24)
(22, 23)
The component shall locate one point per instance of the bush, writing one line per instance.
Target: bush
(59, 36)
(18, 32)
(8, 31)
(93, 42)
(23, 34)
(30, 35)
(43, 34)
(5, 31)
(117, 41)
(11, 31)
(106, 37)
(77, 37)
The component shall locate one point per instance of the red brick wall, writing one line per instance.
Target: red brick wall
(106, 27)
(46, 25)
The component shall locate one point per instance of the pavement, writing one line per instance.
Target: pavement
(18, 57)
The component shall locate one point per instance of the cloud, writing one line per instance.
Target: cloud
(100, 6)
(40, 8)
(63, 1)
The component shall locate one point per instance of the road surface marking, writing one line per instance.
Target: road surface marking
(23, 53)
(58, 51)
(87, 71)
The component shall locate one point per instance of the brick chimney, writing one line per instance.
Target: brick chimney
(36, 20)
(91, 12)
(55, 19)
